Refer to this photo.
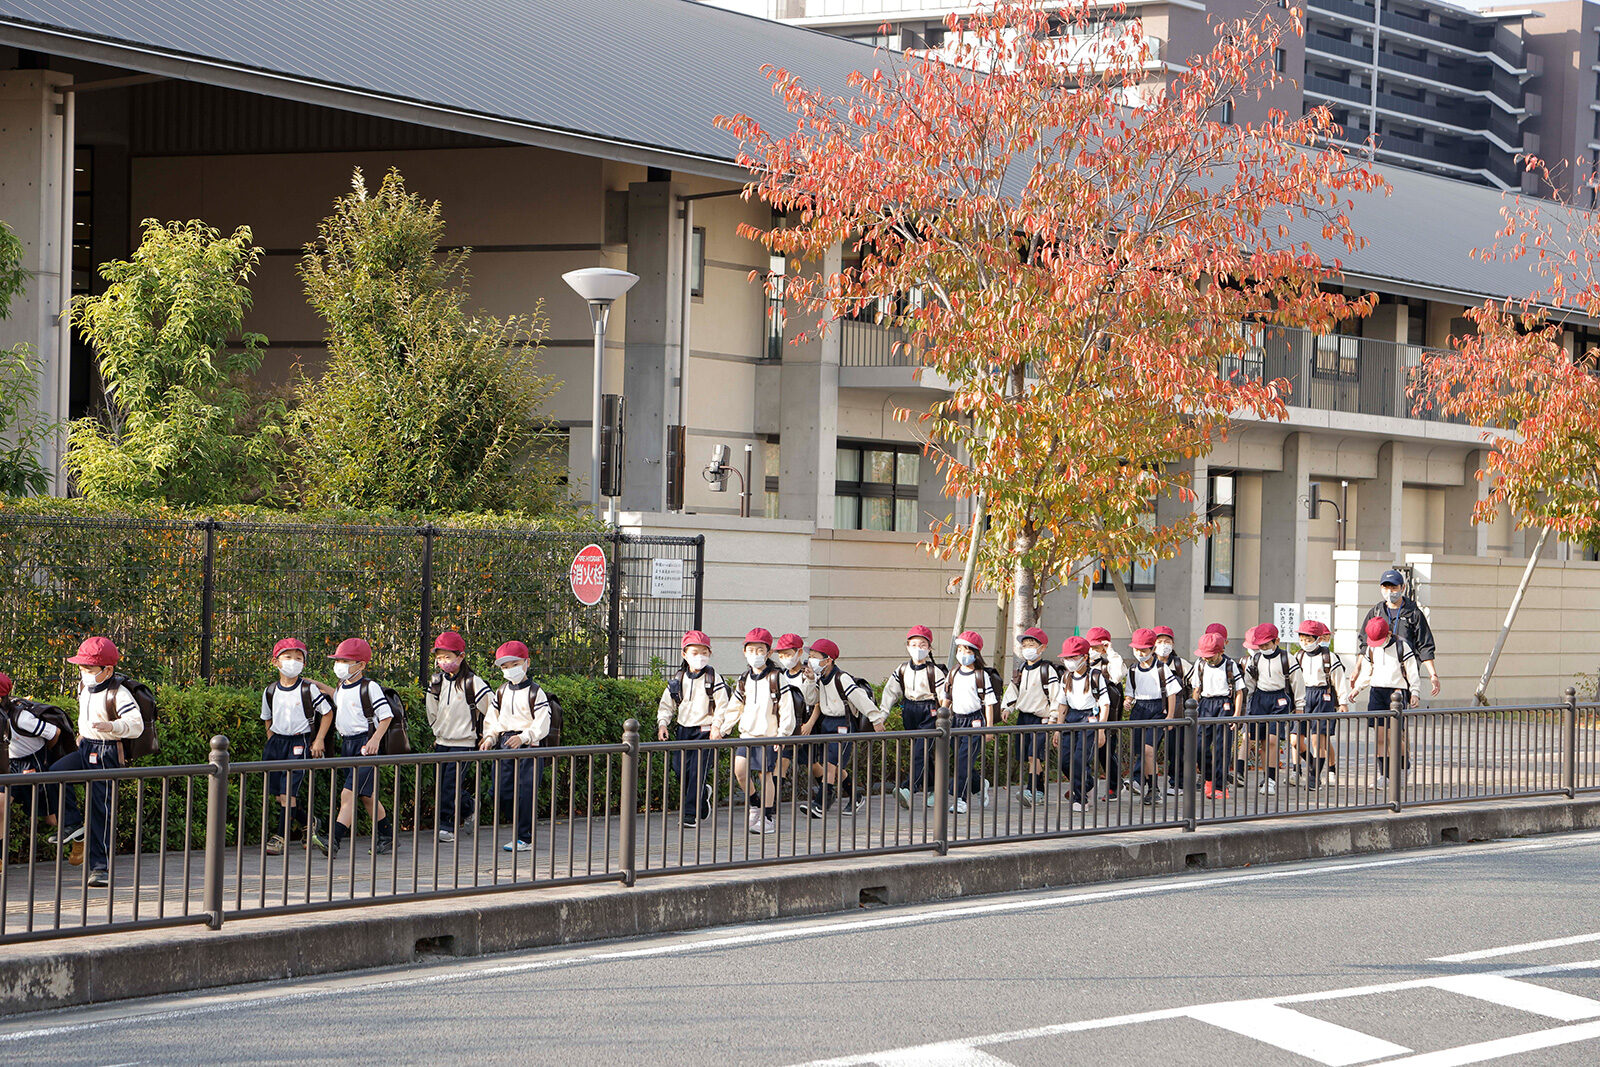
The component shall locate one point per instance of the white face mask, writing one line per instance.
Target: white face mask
(816, 664)
(1267, 650)
(787, 660)
(1145, 654)
(342, 671)
(1163, 649)
(88, 677)
(965, 658)
(698, 661)
(515, 673)
(1030, 654)
(918, 653)
(290, 668)
(1311, 644)
(1076, 664)
(757, 660)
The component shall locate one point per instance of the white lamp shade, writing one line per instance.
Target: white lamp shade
(599, 285)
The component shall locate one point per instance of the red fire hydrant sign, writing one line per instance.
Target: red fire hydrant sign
(588, 575)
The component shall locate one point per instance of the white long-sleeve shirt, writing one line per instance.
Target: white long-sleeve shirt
(802, 691)
(761, 705)
(838, 692)
(1324, 668)
(349, 716)
(1035, 689)
(1393, 666)
(455, 706)
(29, 733)
(701, 699)
(1084, 692)
(1112, 665)
(519, 709)
(1275, 672)
(285, 708)
(912, 681)
(108, 712)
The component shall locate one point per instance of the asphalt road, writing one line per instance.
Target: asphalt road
(1335, 962)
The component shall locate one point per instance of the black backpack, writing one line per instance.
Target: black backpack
(148, 743)
(307, 701)
(436, 689)
(394, 741)
(553, 738)
(66, 730)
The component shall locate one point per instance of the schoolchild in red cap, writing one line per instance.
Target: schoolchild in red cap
(844, 706)
(1152, 695)
(1082, 697)
(969, 693)
(292, 708)
(1389, 665)
(760, 707)
(1114, 669)
(1034, 692)
(1272, 677)
(800, 687)
(914, 685)
(1322, 674)
(1167, 656)
(1218, 684)
(458, 704)
(107, 715)
(693, 704)
(519, 720)
(362, 715)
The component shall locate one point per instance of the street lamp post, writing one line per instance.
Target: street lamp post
(600, 286)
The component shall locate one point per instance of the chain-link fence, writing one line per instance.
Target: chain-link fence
(205, 601)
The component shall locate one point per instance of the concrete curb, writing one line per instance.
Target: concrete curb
(107, 967)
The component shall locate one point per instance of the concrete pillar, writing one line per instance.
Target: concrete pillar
(1461, 537)
(34, 182)
(654, 350)
(1181, 580)
(809, 423)
(1066, 612)
(1285, 526)
(1378, 504)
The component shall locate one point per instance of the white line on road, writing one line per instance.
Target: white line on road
(1293, 1031)
(207, 1004)
(1513, 950)
(1501, 1047)
(1523, 996)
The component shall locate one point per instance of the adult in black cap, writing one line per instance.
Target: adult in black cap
(1406, 621)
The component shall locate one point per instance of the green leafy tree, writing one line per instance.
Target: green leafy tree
(423, 406)
(24, 429)
(181, 423)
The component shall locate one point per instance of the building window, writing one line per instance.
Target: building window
(1280, 60)
(1227, 111)
(1221, 487)
(875, 487)
(1139, 578)
(769, 467)
(697, 261)
(1336, 357)
(775, 313)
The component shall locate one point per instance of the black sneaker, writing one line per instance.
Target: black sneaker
(99, 879)
(383, 846)
(816, 810)
(321, 843)
(847, 805)
(1150, 798)
(689, 822)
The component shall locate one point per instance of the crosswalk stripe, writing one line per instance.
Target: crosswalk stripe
(1524, 996)
(1502, 1047)
(1325, 1042)
(952, 1054)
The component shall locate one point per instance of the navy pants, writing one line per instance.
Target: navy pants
(919, 715)
(1216, 738)
(1077, 751)
(458, 800)
(1110, 761)
(286, 747)
(24, 795)
(692, 766)
(1150, 710)
(516, 777)
(969, 751)
(91, 755)
(363, 781)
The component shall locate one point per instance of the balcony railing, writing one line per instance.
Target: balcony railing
(1355, 94)
(1347, 8)
(867, 344)
(1332, 372)
(1432, 31)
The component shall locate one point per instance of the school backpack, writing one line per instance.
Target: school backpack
(66, 730)
(1044, 664)
(859, 723)
(308, 702)
(436, 688)
(988, 682)
(774, 687)
(557, 714)
(394, 741)
(1184, 687)
(148, 743)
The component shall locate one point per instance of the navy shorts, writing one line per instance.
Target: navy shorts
(1320, 701)
(760, 758)
(1146, 711)
(1270, 702)
(285, 747)
(1034, 745)
(361, 780)
(1378, 700)
(836, 752)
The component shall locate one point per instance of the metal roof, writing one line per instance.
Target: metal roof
(639, 81)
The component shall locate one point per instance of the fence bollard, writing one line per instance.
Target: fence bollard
(1189, 747)
(1397, 735)
(1569, 744)
(630, 798)
(941, 783)
(216, 829)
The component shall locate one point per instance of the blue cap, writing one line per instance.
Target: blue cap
(1392, 578)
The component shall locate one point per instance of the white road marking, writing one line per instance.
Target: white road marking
(1524, 996)
(1501, 1047)
(1292, 1031)
(279, 994)
(954, 1054)
(1512, 950)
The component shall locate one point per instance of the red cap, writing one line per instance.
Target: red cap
(97, 652)
(512, 650)
(288, 644)
(1035, 633)
(1097, 634)
(450, 641)
(1166, 631)
(823, 647)
(353, 648)
(696, 637)
(789, 643)
(920, 631)
(1144, 638)
(1313, 628)
(1260, 635)
(1377, 631)
(972, 639)
(759, 636)
(1074, 646)
(1218, 629)
(5, 686)
(1210, 645)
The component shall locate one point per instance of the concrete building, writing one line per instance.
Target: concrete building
(555, 143)
(1565, 38)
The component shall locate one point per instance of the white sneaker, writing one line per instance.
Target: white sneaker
(1027, 798)
(446, 836)
(1383, 782)
(754, 820)
(1077, 806)
(1173, 791)
(933, 801)
(1135, 785)
(768, 826)
(1294, 775)
(517, 846)
(1269, 786)
(958, 806)
(1330, 777)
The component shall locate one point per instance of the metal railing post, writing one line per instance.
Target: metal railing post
(1189, 744)
(614, 622)
(425, 628)
(1569, 743)
(699, 581)
(630, 800)
(216, 830)
(1397, 728)
(208, 597)
(941, 783)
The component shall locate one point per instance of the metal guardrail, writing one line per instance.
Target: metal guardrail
(179, 854)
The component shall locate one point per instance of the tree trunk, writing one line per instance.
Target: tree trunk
(1511, 617)
(1125, 600)
(968, 572)
(1024, 586)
